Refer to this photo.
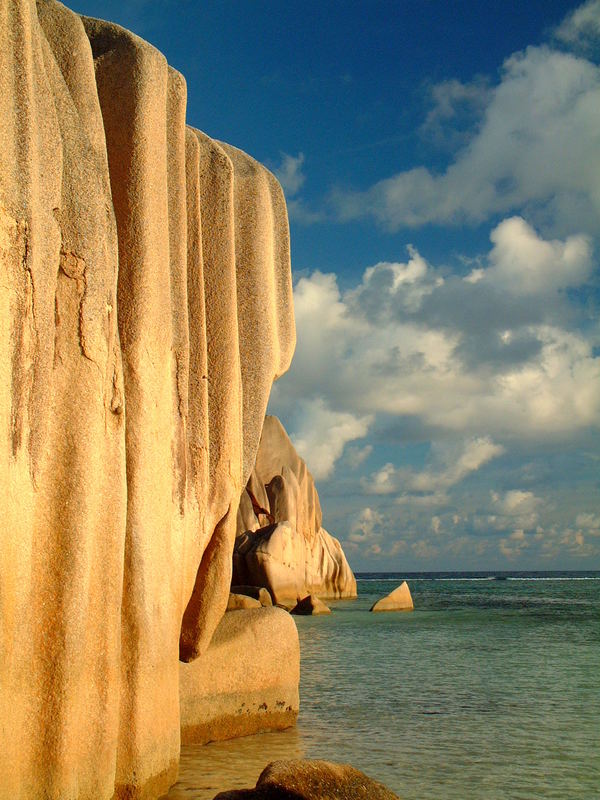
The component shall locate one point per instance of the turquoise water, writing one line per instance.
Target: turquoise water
(490, 689)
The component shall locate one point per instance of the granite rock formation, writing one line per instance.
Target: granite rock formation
(145, 310)
(258, 592)
(281, 543)
(398, 600)
(246, 681)
(310, 606)
(237, 602)
(311, 780)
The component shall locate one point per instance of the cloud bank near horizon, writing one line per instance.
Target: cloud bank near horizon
(501, 358)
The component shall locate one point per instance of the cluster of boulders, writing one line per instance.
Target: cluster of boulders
(280, 541)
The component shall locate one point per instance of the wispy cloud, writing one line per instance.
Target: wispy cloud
(290, 175)
(456, 109)
(521, 153)
(450, 465)
(581, 28)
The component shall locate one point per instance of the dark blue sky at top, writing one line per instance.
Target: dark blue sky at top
(347, 84)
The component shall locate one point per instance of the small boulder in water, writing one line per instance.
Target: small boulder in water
(398, 600)
(310, 605)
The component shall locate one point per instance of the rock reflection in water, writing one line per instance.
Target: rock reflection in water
(205, 770)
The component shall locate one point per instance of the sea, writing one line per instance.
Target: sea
(488, 690)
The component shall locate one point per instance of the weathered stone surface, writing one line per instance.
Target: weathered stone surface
(310, 606)
(281, 543)
(311, 780)
(275, 557)
(398, 600)
(247, 680)
(241, 601)
(258, 592)
(127, 256)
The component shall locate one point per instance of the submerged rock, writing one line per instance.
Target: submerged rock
(398, 600)
(310, 606)
(311, 780)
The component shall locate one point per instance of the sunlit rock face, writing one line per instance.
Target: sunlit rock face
(281, 543)
(145, 310)
(400, 599)
(247, 680)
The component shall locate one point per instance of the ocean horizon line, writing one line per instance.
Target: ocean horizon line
(481, 575)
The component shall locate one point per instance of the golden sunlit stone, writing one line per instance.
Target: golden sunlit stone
(145, 310)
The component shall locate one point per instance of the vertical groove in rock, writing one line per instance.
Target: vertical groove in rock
(224, 393)
(62, 671)
(141, 138)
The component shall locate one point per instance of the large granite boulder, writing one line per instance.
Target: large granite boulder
(281, 543)
(247, 680)
(273, 557)
(146, 308)
(311, 780)
(398, 600)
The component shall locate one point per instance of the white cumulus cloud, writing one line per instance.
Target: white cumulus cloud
(536, 146)
(524, 263)
(493, 357)
(321, 433)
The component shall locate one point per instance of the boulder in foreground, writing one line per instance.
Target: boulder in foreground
(310, 606)
(398, 600)
(247, 680)
(311, 780)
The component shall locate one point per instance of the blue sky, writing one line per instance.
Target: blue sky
(441, 163)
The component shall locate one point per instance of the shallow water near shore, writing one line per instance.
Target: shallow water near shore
(489, 689)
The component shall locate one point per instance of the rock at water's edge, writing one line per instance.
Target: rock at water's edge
(281, 543)
(398, 600)
(146, 307)
(310, 606)
(246, 682)
(311, 780)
